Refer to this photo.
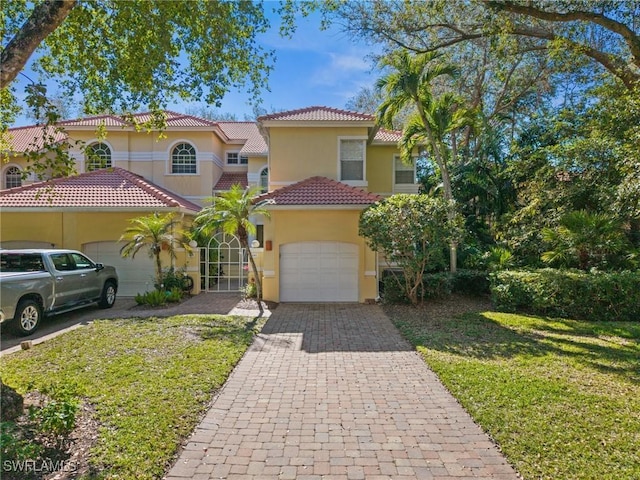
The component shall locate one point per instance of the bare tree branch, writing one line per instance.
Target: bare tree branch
(46, 17)
(630, 37)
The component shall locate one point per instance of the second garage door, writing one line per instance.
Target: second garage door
(134, 275)
(319, 272)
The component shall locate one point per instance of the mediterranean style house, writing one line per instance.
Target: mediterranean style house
(317, 167)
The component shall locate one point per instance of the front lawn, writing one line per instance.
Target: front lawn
(148, 381)
(561, 397)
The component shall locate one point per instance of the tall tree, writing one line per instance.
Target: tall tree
(231, 212)
(410, 83)
(125, 54)
(600, 35)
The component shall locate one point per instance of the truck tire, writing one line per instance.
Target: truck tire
(27, 317)
(108, 296)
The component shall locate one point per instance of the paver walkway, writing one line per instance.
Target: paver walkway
(334, 392)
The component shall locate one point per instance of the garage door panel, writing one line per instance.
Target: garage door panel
(319, 272)
(135, 275)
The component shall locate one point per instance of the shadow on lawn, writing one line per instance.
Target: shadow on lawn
(609, 347)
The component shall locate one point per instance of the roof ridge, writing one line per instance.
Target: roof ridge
(364, 116)
(320, 180)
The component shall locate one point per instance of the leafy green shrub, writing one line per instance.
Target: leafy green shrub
(471, 282)
(250, 289)
(174, 295)
(172, 278)
(434, 285)
(569, 293)
(14, 447)
(154, 298)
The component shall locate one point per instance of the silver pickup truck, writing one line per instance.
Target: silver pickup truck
(39, 282)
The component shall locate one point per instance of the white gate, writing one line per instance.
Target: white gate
(222, 264)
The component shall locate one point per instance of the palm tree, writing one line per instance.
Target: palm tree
(231, 212)
(151, 233)
(584, 239)
(410, 85)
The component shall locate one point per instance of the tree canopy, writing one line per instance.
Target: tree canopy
(124, 55)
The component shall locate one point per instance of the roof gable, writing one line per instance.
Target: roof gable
(228, 179)
(318, 114)
(109, 188)
(319, 191)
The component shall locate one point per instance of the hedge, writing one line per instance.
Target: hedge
(437, 285)
(569, 293)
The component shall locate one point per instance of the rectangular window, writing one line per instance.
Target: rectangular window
(234, 158)
(352, 159)
(404, 173)
(260, 234)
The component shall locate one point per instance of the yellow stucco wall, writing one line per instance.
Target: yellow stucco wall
(289, 226)
(380, 168)
(297, 153)
(72, 230)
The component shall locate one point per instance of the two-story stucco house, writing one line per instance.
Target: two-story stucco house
(318, 166)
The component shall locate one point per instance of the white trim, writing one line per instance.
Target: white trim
(363, 182)
(404, 187)
(355, 183)
(240, 155)
(268, 273)
(370, 273)
(3, 182)
(169, 159)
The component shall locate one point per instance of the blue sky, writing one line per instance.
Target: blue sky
(314, 67)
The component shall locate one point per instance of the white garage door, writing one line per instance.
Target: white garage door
(134, 275)
(319, 272)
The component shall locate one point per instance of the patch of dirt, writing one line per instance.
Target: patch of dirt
(58, 460)
(440, 309)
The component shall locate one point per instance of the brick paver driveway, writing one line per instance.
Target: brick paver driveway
(333, 391)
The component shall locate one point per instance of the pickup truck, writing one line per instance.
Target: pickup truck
(38, 282)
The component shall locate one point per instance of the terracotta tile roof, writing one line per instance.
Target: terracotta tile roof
(317, 113)
(27, 139)
(320, 191)
(228, 179)
(110, 188)
(385, 136)
(173, 120)
(255, 145)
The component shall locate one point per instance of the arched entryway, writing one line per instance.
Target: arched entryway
(222, 264)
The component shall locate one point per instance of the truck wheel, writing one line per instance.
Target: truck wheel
(27, 318)
(108, 297)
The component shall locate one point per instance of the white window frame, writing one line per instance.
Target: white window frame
(88, 162)
(170, 161)
(397, 158)
(263, 188)
(354, 183)
(6, 172)
(240, 159)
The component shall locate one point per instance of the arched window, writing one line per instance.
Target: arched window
(12, 177)
(97, 155)
(264, 180)
(183, 159)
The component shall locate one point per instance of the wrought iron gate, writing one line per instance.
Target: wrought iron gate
(222, 264)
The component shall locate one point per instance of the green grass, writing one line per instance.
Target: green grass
(150, 380)
(561, 397)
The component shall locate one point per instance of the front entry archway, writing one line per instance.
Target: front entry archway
(222, 264)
